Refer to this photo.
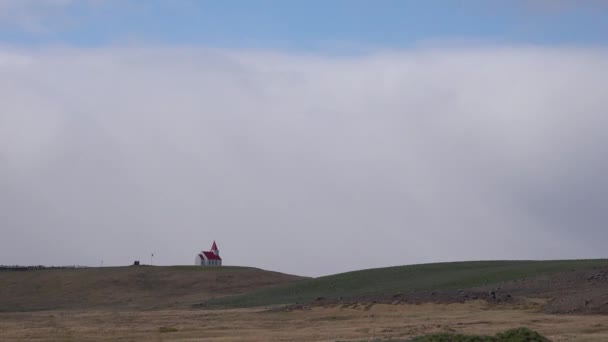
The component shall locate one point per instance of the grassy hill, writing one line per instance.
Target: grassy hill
(151, 287)
(141, 287)
(404, 279)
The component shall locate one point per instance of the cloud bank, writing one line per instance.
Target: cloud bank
(305, 164)
(34, 16)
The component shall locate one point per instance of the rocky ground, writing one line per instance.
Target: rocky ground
(573, 292)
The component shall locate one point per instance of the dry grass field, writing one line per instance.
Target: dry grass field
(331, 323)
(118, 288)
(563, 300)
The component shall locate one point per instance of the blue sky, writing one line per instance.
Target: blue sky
(303, 25)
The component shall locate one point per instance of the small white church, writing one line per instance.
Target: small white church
(209, 258)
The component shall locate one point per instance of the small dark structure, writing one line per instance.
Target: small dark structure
(136, 263)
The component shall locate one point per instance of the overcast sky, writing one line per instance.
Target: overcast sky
(306, 157)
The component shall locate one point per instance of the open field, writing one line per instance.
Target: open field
(564, 300)
(140, 287)
(329, 323)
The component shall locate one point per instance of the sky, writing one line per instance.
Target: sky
(304, 137)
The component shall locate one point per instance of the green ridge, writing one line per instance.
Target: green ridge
(403, 279)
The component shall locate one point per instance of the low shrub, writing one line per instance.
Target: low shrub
(521, 334)
(513, 335)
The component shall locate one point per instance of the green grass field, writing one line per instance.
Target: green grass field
(403, 279)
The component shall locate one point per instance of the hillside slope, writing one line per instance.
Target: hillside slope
(141, 287)
(405, 279)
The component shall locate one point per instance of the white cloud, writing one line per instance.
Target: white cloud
(304, 164)
(38, 16)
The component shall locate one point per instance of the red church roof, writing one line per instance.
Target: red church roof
(210, 256)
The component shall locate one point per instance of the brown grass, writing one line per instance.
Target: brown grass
(317, 324)
(142, 287)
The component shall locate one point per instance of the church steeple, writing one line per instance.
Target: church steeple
(214, 249)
